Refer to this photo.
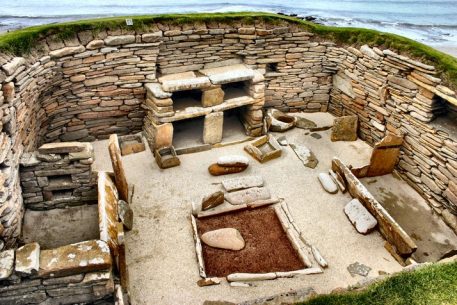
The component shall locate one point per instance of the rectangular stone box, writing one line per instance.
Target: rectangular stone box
(166, 157)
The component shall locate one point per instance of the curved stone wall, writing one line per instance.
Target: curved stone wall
(92, 84)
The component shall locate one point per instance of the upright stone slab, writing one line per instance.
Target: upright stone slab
(28, 259)
(108, 211)
(213, 127)
(163, 135)
(119, 173)
(212, 96)
(385, 155)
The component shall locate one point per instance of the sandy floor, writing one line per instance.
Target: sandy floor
(160, 249)
(433, 237)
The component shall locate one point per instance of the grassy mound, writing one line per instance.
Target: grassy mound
(431, 285)
(22, 41)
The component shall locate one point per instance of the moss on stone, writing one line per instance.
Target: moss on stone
(22, 41)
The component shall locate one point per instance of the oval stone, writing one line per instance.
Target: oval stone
(327, 183)
(226, 238)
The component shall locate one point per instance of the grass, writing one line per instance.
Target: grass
(431, 285)
(22, 41)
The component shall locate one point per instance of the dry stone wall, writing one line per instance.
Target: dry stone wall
(390, 92)
(92, 84)
(78, 273)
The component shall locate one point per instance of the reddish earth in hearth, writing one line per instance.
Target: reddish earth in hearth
(267, 247)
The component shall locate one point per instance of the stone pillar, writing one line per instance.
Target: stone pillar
(212, 96)
(213, 127)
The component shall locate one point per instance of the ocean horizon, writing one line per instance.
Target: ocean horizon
(430, 22)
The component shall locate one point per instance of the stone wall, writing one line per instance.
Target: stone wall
(58, 175)
(72, 274)
(390, 92)
(91, 84)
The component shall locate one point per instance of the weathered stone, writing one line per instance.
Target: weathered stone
(212, 97)
(8, 91)
(6, 263)
(327, 183)
(233, 160)
(86, 256)
(86, 153)
(241, 183)
(402, 82)
(228, 74)
(305, 155)
(13, 65)
(218, 170)
(213, 128)
(248, 195)
(226, 238)
(304, 123)
(95, 44)
(156, 90)
(344, 84)
(118, 40)
(118, 167)
(125, 214)
(66, 51)
(108, 211)
(359, 216)
(264, 149)
(212, 200)
(62, 148)
(279, 121)
(358, 269)
(166, 157)
(208, 281)
(345, 128)
(28, 259)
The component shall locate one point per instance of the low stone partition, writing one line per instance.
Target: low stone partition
(401, 242)
(58, 175)
(72, 274)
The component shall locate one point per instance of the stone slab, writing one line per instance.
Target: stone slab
(241, 183)
(86, 256)
(28, 259)
(6, 263)
(305, 155)
(118, 168)
(108, 210)
(359, 216)
(248, 195)
(213, 128)
(345, 128)
(62, 148)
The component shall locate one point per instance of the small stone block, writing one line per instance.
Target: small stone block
(6, 263)
(28, 259)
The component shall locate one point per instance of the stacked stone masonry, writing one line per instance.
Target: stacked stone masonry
(58, 175)
(92, 84)
(74, 274)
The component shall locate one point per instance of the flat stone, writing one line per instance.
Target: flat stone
(359, 216)
(240, 183)
(282, 140)
(28, 259)
(233, 160)
(217, 170)
(402, 82)
(212, 200)
(156, 90)
(208, 281)
(229, 74)
(101, 80)
(6, 263)
(358, 269)
(185, 84)
(248, 195)
(61, 148)
(118, 40)
(304, 123)
(86, 256)
(345, 128)
(343, 84)
(125, 214)
(66, 51)
(305, 155)
(226, 238)
(86, 153)
(327, 183)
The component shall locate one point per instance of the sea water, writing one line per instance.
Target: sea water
(430, 21)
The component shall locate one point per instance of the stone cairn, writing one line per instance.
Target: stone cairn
(58, 175)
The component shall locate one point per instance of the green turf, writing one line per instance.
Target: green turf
(431, 285)
(22, 41)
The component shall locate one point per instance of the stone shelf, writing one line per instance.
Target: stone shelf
(228, 74)
(193, 112)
